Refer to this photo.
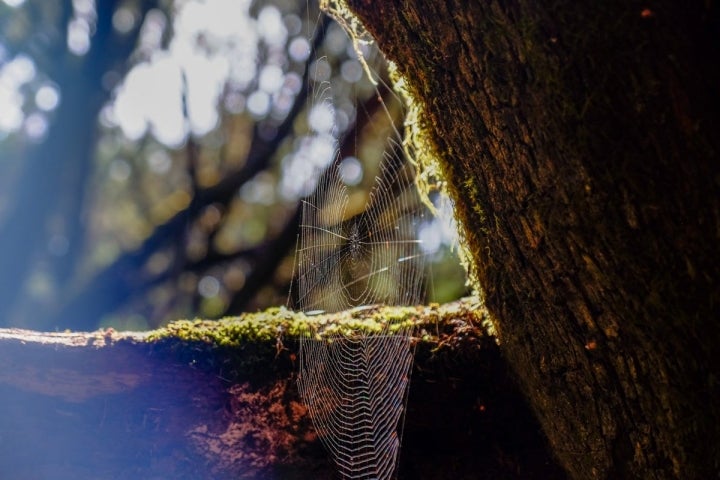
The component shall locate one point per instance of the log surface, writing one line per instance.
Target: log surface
(110, 405)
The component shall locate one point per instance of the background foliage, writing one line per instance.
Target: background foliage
(153, 155)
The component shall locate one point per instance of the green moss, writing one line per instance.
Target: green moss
(233, 331)
(281, 323)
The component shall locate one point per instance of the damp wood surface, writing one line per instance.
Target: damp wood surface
(218, 399)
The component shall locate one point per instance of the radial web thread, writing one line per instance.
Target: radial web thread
(355, 385)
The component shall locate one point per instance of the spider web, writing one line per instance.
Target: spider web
(355, 385)
(371, 258)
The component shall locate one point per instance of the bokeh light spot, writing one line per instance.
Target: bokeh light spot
(47, 98)
(271, 27)
(271, 78)
(258, 103)
(159, 161)
(208, 286)
(430, 236)
(320, 70)
(120, 170)
(123, 20)
(19, 70)
(36, 126)
(78, 36)
(351, 171)
(299, 49)
(351, 71)
(322, 117)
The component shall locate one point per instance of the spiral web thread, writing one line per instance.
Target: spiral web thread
(355, 385)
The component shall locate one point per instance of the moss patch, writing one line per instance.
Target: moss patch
(278, 324)
(252, 346)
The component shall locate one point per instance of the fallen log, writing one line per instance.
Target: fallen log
(217, 399)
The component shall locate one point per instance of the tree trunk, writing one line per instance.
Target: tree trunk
(580, 141)
(54, 175)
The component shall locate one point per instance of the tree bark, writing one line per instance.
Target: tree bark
(580, 143)
(217, 400)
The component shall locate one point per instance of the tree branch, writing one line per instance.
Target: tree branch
(43, 183)
(109, 288)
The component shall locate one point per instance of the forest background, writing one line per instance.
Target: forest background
(154, 154)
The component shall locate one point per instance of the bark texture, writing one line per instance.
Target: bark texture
(580, 142)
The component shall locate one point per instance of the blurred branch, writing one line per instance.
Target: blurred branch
(56, 170)
(112, 286)
(265, 258)
(265, 264)
(270, 256)
(108, 51)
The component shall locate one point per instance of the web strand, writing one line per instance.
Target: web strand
(355, 385)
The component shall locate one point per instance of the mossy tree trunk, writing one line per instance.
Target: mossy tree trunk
(580, 141)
